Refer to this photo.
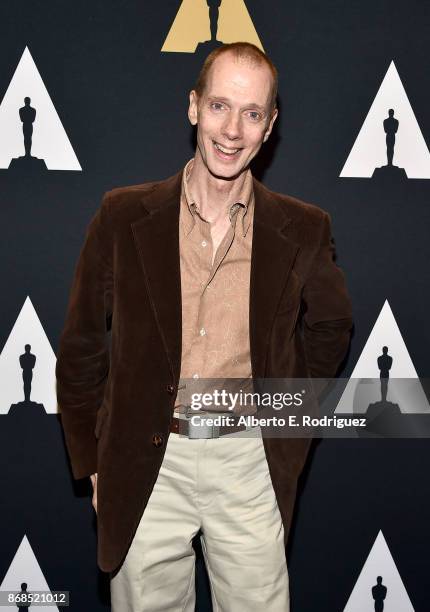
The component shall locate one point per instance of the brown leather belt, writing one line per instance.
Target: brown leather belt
(182, 426)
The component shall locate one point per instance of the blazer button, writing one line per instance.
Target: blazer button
(157, 440)
(170, 389)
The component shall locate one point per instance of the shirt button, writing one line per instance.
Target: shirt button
(170, 389)
(196, 375)
(157, 440)
(202, 331)
(204, 243)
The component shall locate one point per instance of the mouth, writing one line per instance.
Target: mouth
(225, 152)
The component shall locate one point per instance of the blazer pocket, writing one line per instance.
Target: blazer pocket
(101, 419)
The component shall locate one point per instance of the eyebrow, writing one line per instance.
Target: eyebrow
(253, 104)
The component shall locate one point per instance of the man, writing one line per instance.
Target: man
(27, 361)
(27, 114)
(379, 593)
(385, 361)
(206, 274)
(213, 17)
(391, 125)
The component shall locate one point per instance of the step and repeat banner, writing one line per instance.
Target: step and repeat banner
(94, 95)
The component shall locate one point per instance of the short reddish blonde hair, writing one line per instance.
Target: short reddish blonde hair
(241, 51)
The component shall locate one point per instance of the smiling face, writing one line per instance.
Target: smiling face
(233, 115)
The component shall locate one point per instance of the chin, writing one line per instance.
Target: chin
(221, 172)
(218, 168)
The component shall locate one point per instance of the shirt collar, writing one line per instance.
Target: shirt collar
(243, 206)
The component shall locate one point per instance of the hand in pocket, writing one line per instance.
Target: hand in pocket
(94, 483)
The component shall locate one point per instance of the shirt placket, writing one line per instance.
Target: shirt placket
(202, 333)
(223, 248)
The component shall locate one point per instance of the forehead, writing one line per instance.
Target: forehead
(234, 77)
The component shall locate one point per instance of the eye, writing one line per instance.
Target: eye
(217, 106)
(255, 115)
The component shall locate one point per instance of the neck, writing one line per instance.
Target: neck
(213, 195)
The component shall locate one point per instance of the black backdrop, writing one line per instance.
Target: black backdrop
(123, 105)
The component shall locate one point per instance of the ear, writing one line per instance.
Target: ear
(192, 109)
(270, 126)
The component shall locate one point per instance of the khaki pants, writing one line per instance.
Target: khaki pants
(221, 486)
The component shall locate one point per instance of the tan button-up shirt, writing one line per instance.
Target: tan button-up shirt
(215, 292)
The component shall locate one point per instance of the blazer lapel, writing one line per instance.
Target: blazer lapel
(156, 237)
(273, 255)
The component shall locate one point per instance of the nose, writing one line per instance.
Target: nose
(232, 126)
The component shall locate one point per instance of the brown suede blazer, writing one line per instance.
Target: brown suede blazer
(116, 390)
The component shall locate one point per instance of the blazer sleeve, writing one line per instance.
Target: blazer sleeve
(83, 356)
(327, 321)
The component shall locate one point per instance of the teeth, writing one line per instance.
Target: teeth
(228, 151)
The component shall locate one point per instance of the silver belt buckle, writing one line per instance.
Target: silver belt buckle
(200, 430)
